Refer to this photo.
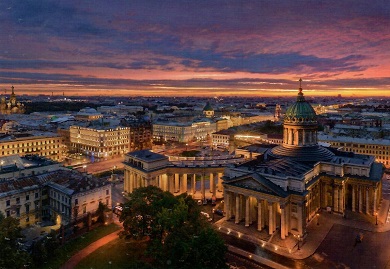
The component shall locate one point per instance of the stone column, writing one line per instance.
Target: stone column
(342, 205)
(194, 184)
(290, 137)
(367, 200)
(227, 204)
(202, 188)
(171, 183)
(353, 197)
(375, 198)
(300, 216)
(212, 183)
(336, 198)
(184, 183)
(131, 182)
(259, 215)
(270, 218)
(325, 195)
(247, 208)
(237, 209)
(360, 199)
(177, 183)
(282, 223)
(303, 137)
(219, 180)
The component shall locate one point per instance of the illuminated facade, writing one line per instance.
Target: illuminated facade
(49, 146)
(283, 190)
(144, 168)
(183, 132)
(63, 196)
(12, 106)
(379, 148)
(101, 142)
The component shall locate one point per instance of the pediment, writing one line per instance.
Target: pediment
(258, 183)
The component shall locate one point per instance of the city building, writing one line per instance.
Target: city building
(45, 144)
(208, 110)
(202, 177)
(222, 139)
(72, 195)
(284, 189)
(379, 148)
(183, 132)
(12, 106)
(99, 141)
(88, 114)
(63, 196)
(140, 133)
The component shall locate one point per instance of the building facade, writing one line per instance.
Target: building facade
(144, 168)
(379, 148)
(49, 146)
(63, 196)
(99, 142)
(183, 132)
(283, 191)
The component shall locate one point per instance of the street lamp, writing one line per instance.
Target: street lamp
(376, 218)
(318, 219)
(299, 237)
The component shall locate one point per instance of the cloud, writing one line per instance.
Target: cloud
(327, 41)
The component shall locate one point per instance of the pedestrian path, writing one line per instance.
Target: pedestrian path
(75, 259)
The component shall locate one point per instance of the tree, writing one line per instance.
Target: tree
(179, 236)
(100, 211)
(11, 256)
(139, 214)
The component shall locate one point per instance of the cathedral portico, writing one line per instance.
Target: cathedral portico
(285, 190)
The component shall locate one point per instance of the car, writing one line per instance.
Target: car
(218, 212)
(199, 202)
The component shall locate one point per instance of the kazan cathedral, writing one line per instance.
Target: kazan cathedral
(283, 189)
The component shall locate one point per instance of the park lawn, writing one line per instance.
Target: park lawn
(119, 253)
(69, 249)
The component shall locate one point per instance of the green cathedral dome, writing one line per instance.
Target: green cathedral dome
(301, 110)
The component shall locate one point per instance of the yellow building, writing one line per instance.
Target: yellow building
(379, 148)
(49, 146)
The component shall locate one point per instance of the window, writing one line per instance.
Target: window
(27, 209)
(8, 213)
(84, 209)
(107, 192)
(27, 197)
(18, 200)
(36, 195)
(76, 201)
(8, 202)
(18, 212)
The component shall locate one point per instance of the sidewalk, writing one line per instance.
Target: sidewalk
(317, 230)
(79, 256)
(75, 259)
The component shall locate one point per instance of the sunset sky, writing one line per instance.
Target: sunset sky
(195, 47)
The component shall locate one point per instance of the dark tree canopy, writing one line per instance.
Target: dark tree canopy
(178, 235)
(11, 256)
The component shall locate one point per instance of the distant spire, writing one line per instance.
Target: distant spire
(12, 89)
(300, 85)
(300, 97)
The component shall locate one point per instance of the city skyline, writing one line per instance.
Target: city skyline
(184, 48)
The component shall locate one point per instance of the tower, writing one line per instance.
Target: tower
(12, 98)
(208, 111)
(300, 133)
